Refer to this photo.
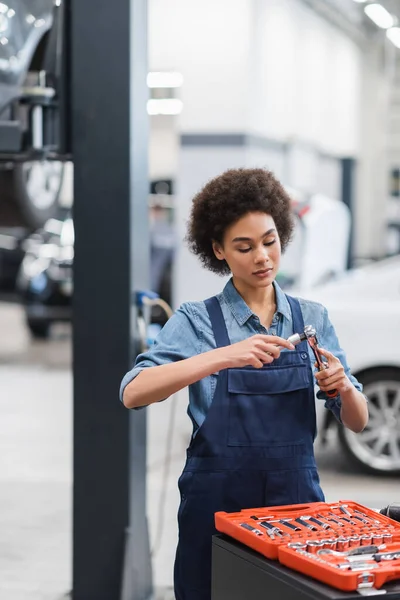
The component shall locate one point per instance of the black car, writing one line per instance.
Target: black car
(31, 68)
(44, 281)
(45, 276)
(11, 255)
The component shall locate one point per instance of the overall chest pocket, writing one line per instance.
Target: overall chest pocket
(269, 406)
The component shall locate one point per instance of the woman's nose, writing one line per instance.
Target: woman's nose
(262, 254)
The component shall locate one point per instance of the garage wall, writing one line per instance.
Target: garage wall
(208, 42)
(271, 73)
(163, 147)
(271, 67)
(304, 81)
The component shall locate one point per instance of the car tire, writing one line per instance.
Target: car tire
(20, 204)
(377, 449)
(39, 329)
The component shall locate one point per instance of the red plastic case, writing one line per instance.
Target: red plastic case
(366, 527)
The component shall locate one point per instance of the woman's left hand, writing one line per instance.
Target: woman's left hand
(334, 377)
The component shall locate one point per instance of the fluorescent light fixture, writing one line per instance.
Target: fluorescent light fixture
(164, 80)
(164, 106)
(379, 15)
(393, 34)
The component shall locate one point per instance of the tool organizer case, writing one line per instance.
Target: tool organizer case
(344, 525)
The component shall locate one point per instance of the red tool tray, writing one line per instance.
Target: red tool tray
(344, 525)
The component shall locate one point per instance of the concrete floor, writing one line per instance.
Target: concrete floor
(36, 470)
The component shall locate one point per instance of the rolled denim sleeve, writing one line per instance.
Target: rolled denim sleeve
(180, 338)
(329, 341)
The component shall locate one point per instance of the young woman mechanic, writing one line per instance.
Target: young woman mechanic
(251, 393)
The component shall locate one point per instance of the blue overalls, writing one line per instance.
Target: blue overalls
(254, 449)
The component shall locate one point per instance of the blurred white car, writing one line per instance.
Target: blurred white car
(364, 307)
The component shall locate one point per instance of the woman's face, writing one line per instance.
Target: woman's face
(252, 249)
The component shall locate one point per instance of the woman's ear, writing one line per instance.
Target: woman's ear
(218, 251)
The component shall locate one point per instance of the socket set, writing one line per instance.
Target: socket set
(344, 544)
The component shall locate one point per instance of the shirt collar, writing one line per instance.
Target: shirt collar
(242, 312)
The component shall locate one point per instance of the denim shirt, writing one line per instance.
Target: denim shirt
(189, 333)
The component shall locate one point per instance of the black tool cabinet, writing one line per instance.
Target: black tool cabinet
(239, 573)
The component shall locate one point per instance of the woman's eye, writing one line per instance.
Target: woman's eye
(244, 250)
(269, 243)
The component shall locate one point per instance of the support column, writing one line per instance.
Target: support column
(109, 140)
(348, 176)
(372, 172)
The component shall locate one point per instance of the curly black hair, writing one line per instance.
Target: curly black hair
(227, 198)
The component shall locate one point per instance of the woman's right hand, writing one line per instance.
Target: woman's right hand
(256, 351)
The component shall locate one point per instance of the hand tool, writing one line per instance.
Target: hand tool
(271, 528)
(274, 520)
(377, 557)
(270, 534)
(358, 567)
(354, 540)
(329, 543)
(342, 544)
(289, 525)
(370, 519)
(339, 520)
(297, 545)
(312, 340)
(250, 528)
(329, 518)
(347, 520)
(360, 551)
(366, 539)
(333, 518)
(343, 509)
(316, 558)
(377, 538)
(303, 521)
(310, 335)
(387, 556)
(297, 338)
(314, 546)
(318, 522)
(361, 520)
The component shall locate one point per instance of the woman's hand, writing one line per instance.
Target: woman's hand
(334, 377)
(255, 351)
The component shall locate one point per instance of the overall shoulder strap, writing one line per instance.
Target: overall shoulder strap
(217, 322)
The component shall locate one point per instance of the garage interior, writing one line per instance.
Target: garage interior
(121, 116)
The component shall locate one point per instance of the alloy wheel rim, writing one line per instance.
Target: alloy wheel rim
(43, 182)
(378, 446)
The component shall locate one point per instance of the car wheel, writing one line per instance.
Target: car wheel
(39, 329)
(377, 448)
(29, 193)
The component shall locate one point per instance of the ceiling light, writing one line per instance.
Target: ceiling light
(393, 34)
(379, 15)
(360, 1)
(164, 106)
(164, 80)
